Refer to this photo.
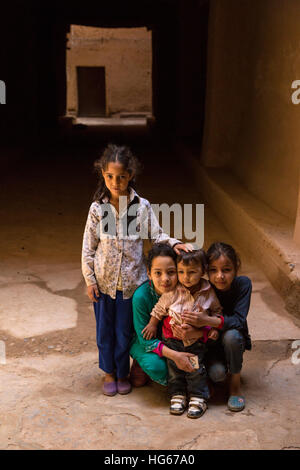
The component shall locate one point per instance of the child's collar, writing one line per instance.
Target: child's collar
(203, 285)
(132, 196)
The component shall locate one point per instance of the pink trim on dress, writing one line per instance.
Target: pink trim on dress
(159, 349)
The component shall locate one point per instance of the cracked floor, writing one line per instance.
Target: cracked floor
(50, 387)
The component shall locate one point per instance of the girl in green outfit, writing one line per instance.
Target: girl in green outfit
(149, 355)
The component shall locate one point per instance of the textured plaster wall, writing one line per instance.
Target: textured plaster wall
(252, 126)
(297, 225)
(126, 55)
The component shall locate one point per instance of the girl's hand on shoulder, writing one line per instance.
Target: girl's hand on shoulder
(92, 292)
(149, 331)
(184, 247)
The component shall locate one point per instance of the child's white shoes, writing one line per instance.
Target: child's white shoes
(178, 404)
(197, 407)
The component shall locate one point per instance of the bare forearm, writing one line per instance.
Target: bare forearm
(214, 322)
(154, 321)
(181, 359)
(199, 319)
(168, 353)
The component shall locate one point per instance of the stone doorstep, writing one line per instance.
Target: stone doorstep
(133, 114)
(261, 232)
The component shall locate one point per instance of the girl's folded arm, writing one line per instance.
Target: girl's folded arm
(241, 308)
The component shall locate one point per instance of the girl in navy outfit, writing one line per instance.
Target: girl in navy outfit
(234, 293)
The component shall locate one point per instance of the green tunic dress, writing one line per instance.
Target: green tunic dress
(143, 301)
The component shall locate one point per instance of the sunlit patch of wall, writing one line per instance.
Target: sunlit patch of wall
(126, 56)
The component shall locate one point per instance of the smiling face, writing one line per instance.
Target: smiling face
(221, 273)
(116, 179)
(190, 274)
(163, 274)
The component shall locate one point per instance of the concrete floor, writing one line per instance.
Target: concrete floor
(50, 387)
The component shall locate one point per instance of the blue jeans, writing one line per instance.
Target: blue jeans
(114, 329)
(179, 381)
(225, 355)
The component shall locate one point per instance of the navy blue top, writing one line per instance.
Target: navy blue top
(236, 303)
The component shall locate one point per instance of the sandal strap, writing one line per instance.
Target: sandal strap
(180, 399)
(177, 406)
(196, 402)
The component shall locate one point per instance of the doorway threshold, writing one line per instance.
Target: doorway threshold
(111, 121)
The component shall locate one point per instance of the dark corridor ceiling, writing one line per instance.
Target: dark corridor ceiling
(112, 13)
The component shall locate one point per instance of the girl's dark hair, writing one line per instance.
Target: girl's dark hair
(219, 248)
(116, 154)
(160, 249)
(196, 256)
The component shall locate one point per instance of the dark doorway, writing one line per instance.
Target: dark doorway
(91, 91)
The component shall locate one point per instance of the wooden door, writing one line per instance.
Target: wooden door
(91, 91)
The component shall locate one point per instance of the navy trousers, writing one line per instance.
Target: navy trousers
(114, 328)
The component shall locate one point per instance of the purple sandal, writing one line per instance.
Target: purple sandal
(123, 387)
(109, 388)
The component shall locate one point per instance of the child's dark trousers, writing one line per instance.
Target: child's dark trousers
(114, 328)
(181, 382)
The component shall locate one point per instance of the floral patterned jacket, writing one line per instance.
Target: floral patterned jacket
(113, 244)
